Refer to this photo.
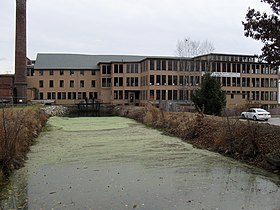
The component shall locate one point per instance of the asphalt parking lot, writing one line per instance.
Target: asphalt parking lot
(274, 121)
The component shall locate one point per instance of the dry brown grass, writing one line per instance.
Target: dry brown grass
(18, 128)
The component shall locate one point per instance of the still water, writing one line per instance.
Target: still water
(117, 163)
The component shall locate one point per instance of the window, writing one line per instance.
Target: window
(158, 64)
(116, 68)
(163, 80)
(106, 69)
(51, 95)
(120, 94)
(164, 65)
(121, 68)
(169, 80)
(71, 72)
(79, 95)
(115, 94)
(82, 72)
(152, 79)
(61, 72)
(41, 72)
(30, 72)
(51, 72)
(71, 83)
(120, 81)
(157, 94)
(51, 84)
(41, 96)
(93, 72)
(169, 65)
(127, 68)
(163, 95)
(132, 68)
(61, 83)
(106, 82)
(116, 81)
(181, 80)
(175, 64)
(152, 65)
(175, 80)
(92, 83)
(82, 83)
(175, 95)
(41, 83)
(63, 95)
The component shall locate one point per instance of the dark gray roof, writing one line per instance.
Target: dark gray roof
(79, 61)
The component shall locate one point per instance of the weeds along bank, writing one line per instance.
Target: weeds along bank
(18, 129)
(246, 141)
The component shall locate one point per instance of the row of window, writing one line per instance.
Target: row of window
(203, 65)
(233, 58)
(186, 95)
(171, 80)
(62, 83)
(259, 95)
(155, 95)
(118, 68)
(243, 68)
(165, 95)
(249, 82)
(68, 95)
(175, 65)
(62, 72)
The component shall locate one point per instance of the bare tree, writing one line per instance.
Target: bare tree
(189, 48)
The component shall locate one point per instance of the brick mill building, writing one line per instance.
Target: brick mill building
(127, 79)
(138, 80)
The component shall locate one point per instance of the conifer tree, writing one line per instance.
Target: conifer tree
(210, 98)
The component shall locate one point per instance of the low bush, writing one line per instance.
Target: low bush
(18, 128)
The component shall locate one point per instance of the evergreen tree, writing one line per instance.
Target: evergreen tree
(264, 27)
(210, 98)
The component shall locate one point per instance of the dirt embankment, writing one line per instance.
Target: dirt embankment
(246, 141)
(18, 129)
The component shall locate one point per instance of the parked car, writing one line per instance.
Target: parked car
(256, 114)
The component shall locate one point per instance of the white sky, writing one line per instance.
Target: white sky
(138, 27)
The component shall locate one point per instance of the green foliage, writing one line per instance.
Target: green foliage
(264, 27)
(210, 98)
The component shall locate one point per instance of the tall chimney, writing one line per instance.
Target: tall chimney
(20, 53)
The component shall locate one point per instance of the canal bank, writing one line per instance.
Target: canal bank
(117, 163)
(245, 141)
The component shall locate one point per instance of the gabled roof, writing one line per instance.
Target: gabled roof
(79, 61)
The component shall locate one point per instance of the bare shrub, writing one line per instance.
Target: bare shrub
(18, 127)
(151, 116)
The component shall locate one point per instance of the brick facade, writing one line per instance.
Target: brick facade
(20, 82)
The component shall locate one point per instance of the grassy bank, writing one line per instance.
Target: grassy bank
(246, 141)
(18, 128)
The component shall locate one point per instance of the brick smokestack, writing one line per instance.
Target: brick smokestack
(20, 53)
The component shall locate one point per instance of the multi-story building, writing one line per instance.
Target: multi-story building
(117, 79)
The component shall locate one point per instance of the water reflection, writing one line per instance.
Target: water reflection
(116, 163)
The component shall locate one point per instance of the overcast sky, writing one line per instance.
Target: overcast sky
(138, 27)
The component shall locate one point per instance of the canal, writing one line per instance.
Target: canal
(117, 163)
